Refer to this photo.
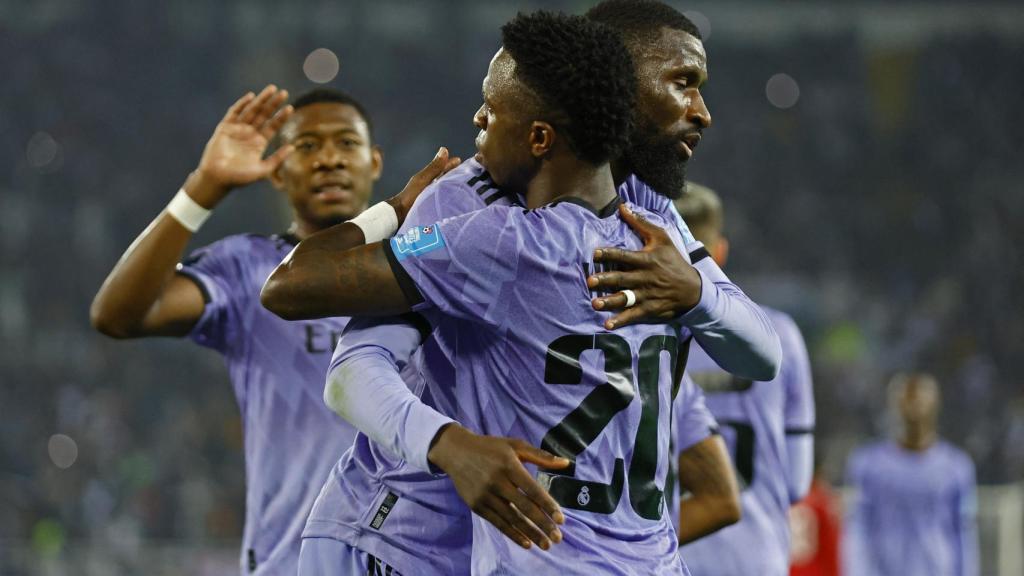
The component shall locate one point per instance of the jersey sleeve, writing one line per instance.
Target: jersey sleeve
(858, 559)
(463, 190)
(464, 266)
(693, 421)
(966, 510)
(364, 386)
(795, 375)
(220, 274)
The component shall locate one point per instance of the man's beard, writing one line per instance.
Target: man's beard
(654, 157)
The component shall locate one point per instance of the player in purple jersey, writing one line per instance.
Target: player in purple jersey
(529, 352)
(767, 425)
(326, 166)
(914, 509)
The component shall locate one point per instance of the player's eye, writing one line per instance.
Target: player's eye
(305, 146)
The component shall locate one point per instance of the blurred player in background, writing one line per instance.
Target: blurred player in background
(768, 426)
(914, 509)
(326, 165)
(815, 524)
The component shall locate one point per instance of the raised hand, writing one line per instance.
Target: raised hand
(664, 284)
(490, 478)
(234, 154)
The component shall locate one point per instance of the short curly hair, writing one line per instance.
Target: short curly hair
(583, 75)
(641, 20)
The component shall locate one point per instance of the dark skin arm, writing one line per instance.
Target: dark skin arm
(143, 296)
(706, 472)
(489, 476)
(665, 284)
(324, 277)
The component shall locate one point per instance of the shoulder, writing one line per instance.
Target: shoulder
(867, 453)
(235, 247)
(466, 188)
(959, 458)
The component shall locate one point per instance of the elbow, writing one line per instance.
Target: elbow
(729, 511)
(277, 298)
(769, 362)
(108, 322)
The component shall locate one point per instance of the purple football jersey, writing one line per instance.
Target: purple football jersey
(277, 369)
(507, 288)
(754, 419)
(913, 513)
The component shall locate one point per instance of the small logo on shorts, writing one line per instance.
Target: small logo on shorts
(583, 498)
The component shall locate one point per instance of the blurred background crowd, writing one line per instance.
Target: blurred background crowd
(869, 155)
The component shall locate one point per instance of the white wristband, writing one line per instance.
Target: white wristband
(187, 211)
(377, 222)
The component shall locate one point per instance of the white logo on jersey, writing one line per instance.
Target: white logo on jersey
(583, 498)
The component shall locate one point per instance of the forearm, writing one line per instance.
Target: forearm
(133, 288)
(700, 516)
(366, 390)
(332, 273)
(705, 471)
(732, 329)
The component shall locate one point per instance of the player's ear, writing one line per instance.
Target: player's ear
(275, 177)
(721, 251)
(377, 159)
(542, 138)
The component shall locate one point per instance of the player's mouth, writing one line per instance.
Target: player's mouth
(688, 143)
(334, 192)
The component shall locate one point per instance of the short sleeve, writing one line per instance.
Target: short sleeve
(693, 422)
(220, 275)
(463, 190)
(795, 375)
(461, 266)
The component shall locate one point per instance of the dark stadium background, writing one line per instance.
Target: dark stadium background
(884, 210)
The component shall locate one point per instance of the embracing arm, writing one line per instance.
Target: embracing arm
(334, 273)
(364, 387)
(731, 328)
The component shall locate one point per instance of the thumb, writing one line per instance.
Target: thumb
(435, 167)
(542, 458)
(274, 160)
(642, 227)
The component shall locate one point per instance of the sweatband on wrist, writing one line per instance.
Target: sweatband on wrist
(187, 211)
(378, 222)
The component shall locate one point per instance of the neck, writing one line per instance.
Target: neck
(565, 176)
(917, 438)
(303, 229)
(620, 170)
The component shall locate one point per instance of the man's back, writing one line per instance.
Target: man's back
(532, 361)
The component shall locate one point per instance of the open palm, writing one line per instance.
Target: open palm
(234, 154)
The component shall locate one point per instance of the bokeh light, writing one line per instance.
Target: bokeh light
(63, 450)
(41, 150)
(782, 91)
(321, 66)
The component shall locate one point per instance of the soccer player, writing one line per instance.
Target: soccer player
(768, 426)
(506, 287)
(914, 509)
(326, 166)
(420, 512)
